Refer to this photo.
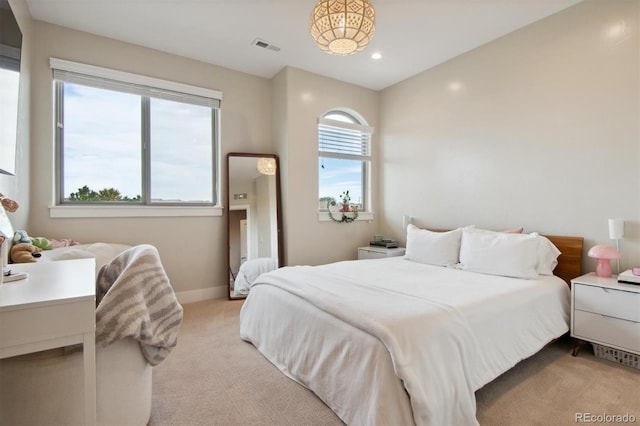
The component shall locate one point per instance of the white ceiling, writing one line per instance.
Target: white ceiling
(411, 35)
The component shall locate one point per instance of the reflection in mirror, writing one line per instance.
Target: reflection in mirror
(10, 53)
(253, 221)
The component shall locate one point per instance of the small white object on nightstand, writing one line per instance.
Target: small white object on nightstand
(373, 252)
(14, 276)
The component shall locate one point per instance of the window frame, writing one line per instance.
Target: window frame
(146, 85)
(355, 123)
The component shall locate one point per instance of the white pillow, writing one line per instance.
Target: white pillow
(499, 253)
(433, 248)
(547, 256)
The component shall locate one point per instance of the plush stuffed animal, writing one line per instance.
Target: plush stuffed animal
(21, 236)
(25, 253)
(8, 204)
(41, 242)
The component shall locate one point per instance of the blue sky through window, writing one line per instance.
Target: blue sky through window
(181, 150)
(101, 140)
(102, 145)
(337, 176)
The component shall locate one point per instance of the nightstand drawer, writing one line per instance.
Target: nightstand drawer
(379, 252)
(607, 330)
(370, 254)
(607, 301)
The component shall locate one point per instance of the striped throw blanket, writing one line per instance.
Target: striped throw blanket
(134, 298)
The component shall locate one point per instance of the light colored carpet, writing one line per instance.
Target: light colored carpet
(214, 378)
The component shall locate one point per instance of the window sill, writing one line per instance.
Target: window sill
(132, 211)
(362, 216)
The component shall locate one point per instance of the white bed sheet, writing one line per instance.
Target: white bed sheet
(354, 373)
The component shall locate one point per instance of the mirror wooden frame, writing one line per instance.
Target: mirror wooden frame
(279, 234)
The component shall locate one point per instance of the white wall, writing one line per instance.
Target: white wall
(193, 249)
(303, 97)
(537, 129)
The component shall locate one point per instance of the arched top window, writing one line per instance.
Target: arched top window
(344, 157)
(341, 116)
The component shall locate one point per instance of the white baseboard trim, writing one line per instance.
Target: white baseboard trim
(190, 296)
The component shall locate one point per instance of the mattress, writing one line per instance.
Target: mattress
(391, 341)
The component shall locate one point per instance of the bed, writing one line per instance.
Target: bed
(249, 271)
(408, 340)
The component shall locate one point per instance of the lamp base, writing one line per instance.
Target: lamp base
(603, 268)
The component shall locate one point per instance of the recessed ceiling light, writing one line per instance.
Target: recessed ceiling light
(376, 55)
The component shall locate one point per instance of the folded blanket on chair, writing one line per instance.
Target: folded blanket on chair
(134, 298)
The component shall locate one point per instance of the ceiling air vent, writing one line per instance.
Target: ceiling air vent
(265, 44)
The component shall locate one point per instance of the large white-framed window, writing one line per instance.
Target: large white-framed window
(127, 143)
(344, 161)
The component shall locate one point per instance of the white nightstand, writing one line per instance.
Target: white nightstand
(54, 307)
(373, 252)
(605, 312)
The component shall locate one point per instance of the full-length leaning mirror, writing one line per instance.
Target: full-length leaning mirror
(254, 224)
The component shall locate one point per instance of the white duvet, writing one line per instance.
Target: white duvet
(390, 341)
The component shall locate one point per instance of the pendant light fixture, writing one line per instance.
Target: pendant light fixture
(342, 27)
(267, 166)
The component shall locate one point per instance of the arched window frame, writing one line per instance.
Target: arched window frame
(344, 134)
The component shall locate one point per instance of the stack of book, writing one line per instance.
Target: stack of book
(630, 276)
(384, 243)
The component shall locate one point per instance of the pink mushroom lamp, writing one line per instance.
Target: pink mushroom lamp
(604, 254)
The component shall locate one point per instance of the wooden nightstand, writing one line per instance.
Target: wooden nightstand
(373, 252)
(605, 312)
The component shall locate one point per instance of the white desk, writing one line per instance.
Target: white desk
(54, 307)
